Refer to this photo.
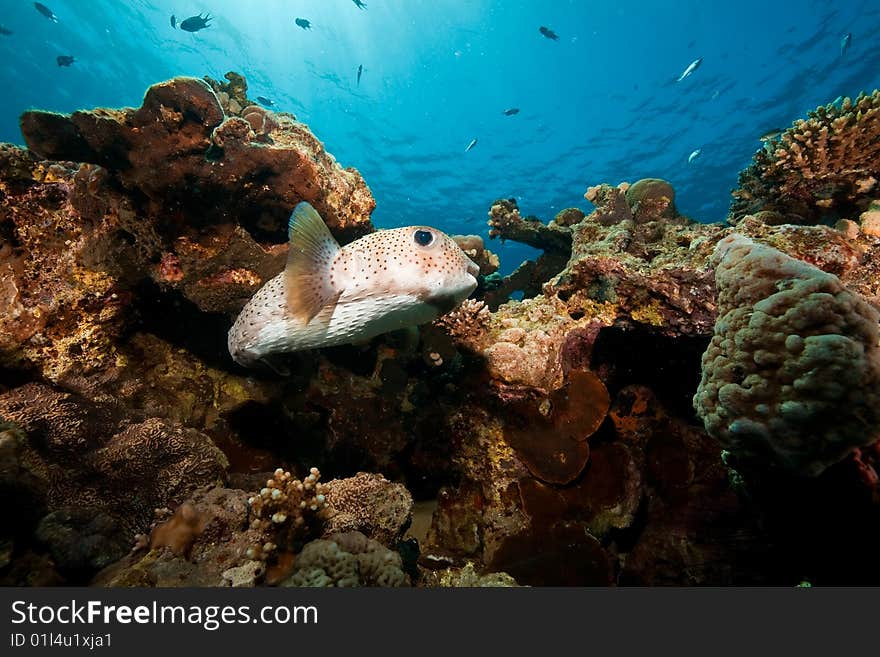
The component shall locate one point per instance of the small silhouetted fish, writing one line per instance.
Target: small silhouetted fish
(265, 101)
(195, 23)
(48, 13)
(547, 32)
(360, 71)
(511, 111)
(303, 23)
(471, 145)
(359, 4)
(693, 156)
(845, 43)
(5, 31)
(173, 21)
(330, 295)
(693, 66)
(771, 134)
(64, 60)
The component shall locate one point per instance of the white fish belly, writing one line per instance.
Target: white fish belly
(344, 323)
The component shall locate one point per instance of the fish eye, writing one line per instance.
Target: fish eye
(423, 237)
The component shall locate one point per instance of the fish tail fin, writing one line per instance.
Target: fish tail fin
(309, 261)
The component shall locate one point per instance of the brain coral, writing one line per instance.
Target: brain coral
(792, 374)
(348, 559)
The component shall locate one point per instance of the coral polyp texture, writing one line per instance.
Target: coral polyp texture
(285, 510)
(792, 374)
(824, 168)
(348, 559)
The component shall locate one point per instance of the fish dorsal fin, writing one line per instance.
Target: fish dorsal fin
(309, 260)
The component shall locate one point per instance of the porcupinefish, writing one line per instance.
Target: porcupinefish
(331, 295)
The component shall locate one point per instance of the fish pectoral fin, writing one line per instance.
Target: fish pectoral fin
(275, 365)
(309, 261)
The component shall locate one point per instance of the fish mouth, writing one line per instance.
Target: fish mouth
(472, 269)
(471, 286)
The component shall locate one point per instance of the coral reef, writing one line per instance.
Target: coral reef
(792, 374)
(468, 577)
(552, 440)
(85, 459)
(227, 537)
(821, 169)
(206, 536)
(180, 150)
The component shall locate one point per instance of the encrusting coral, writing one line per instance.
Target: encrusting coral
(90, 459)
(823, 168)
(792, 374)
(171, 150)
(370, 504)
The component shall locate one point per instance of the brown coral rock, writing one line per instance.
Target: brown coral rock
(370, 504)
(607, 497)
(550, 435)
(91, 458)
(207, 536)
(565, 554)
(651, 198)
(166, 151)
(506, 222)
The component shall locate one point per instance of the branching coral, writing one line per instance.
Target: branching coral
(286, 510)
(824, 167)
(793, 370)
(506, 222)
(467, 322)
(553, 239)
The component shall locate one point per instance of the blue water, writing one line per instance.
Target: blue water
(601, 104)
